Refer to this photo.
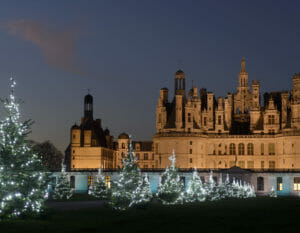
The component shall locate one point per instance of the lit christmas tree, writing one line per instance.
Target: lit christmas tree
(99, 188)
(127, 182)
(170, 189)
(195, 191)
(23, 185)
(142, 194)
(272, 193)
(62, 189)
(212, 191)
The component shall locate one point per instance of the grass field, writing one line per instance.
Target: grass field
(249, 215)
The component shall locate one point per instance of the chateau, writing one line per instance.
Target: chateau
(242, 132)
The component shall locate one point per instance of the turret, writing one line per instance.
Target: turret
(180, 83)
(75, 135)
(88, 106)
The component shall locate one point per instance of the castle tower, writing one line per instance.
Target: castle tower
(161, 113)
(179, 98)
(88, 106)
(255, 106)
(180, 83)
(243, 75)
(295, 105)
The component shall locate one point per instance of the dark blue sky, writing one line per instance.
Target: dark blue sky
(125, 51)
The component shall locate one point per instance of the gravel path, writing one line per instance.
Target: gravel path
(74, 205)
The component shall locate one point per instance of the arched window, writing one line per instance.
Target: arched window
(260, 184)
(232, 149)
(250, 149)
(241, 149)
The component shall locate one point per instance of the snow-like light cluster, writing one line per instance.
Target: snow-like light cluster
(99, 188)
(22, 179)
(62, 189)
(130, 188)
(171, 188)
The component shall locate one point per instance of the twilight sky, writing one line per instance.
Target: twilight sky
(125, 51)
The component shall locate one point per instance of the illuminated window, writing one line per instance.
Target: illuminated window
(271, 149)
(232, 149)
(260, 183)
(279, 183)
(250, 149)
(241, 149)
(146, 156)
(272, 164)
(90, 180)
(296, 183)
(262, 149)
(107, 181)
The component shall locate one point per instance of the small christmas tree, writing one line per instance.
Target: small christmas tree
(127, 183)
(142, 194)
(23, 185)
(99, 188)
(212, 191)
(195, 191)
(272, 192)
(170, 189)
(62, 189)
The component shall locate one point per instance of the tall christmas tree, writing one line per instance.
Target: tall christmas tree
(62, 189)
(143, 193)
(99, 188)
(127, 182)
(195, 191)
(170, 189)
(23, 185)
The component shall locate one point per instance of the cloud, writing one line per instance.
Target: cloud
(57, 46)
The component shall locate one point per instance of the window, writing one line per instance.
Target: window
(232, 149)
(123, 145)
(219, 120)
(262, 164)
(146, 156)
(189, 130)
(73, 157)
(152, 156)
(191, 142)
(271, 131)
(262, 149)
(189, 117)
(271, 149)
(231, 163)
(241, 149)
(73, 151)
(107, 181)
(90, 180)
(137, 156)
(242, 164)
(271, 164)
(72, 182)
(250, 164)
(74, 136)
(296, 183)
(279, 183)
(250, 149)
(260, 183)
(191, 151)
(191, 160)
(159, 118)
(271, 119)
(204, 121)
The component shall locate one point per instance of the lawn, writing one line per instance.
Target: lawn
(248, 215)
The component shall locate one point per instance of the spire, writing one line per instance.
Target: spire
(243, 65)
